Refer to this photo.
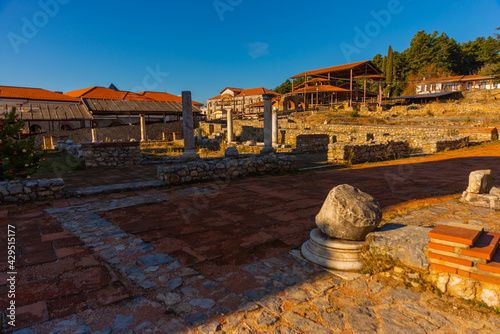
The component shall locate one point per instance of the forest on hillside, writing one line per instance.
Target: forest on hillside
(430, 55)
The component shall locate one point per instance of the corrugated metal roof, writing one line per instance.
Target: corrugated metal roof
(134, 107)
(48, 112)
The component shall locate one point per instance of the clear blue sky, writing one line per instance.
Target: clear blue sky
(206, 45)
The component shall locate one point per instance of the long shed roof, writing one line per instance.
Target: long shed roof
(134, 107)
(48, 112)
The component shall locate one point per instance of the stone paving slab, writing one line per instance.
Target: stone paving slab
(261, 287)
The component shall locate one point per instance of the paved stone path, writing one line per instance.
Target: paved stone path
(219, 258)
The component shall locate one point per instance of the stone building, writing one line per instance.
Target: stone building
(457, 83)
(44, 110)
(239, 101)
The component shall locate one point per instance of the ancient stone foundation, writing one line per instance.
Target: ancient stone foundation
(312, 143)
(340, 153)
(111, 154)
(30, 190)
(434, 146)
(227, 168)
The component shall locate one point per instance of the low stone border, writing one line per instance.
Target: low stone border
(228, 168)
(355, 154)
(30, 190)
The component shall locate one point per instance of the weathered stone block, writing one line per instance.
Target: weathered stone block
(348, 214)
(480, 182)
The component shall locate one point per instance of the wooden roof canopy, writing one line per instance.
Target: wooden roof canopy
(319, 89)
(98, 106)
(48, 112)
(342, 71)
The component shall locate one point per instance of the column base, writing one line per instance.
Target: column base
(333, 253)
(190, 155)
(267, 150)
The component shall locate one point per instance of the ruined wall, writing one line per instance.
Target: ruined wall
(116, 133)
(341, 153)
(30, 190)
(313, 143)
(224, 169)
(438, 145)
(111, 154)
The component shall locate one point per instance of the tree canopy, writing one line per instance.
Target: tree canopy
(431, 55)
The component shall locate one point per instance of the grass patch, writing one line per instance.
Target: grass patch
(59, 161)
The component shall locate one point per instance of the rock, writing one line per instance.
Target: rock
(349, 214)
(122, 322)
(231, 152)
(480, 182)
(205, 303)
(495, 191)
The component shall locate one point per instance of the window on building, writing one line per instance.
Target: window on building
(35, 128)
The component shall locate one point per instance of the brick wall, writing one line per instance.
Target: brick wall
(464, 262)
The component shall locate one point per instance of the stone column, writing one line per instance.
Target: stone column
(275, 127)
(94, 135)
(268, 145)
(199, 134)
(143, 127)
(229, 126)
(187, 115)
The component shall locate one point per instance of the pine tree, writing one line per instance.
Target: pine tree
(17, 156)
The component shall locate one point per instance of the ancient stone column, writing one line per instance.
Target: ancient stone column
(268, 145)
(275, 135)
(230, 127)
(143, 127)
(187, 115)
(94, 135)
(199, 134)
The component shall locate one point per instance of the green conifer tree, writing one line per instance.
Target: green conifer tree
(17, 156)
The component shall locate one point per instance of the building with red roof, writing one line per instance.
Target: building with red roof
(244, 102)
(456, 83)
(23, 95)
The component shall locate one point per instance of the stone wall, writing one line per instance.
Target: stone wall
(30, 190)
(341, 153)
(116, 133)
(226, 168)
(480, 133)
(434, 146)
(111, 154)
(312, 143)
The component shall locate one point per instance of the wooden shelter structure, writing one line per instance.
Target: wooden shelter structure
(128, 112)
(339, 74)
(50, 117)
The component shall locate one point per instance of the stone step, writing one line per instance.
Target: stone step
(455, 234)
(493, 265)
(484, 247)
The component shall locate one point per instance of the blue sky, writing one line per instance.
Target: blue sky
(206, 45)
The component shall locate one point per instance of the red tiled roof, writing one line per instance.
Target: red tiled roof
(103, 93)
(34, 94)
(331, 69)
(458, 78)
(320, 88)
(247, 92)
(159, 96)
